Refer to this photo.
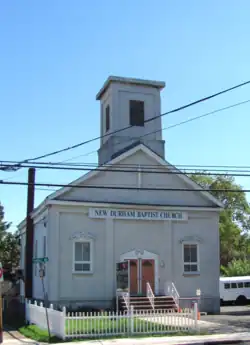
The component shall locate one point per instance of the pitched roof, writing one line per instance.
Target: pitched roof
(116, 160)
(133, 150)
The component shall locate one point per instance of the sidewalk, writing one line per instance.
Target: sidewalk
(15, 338)
(11, 336)
(235, 338)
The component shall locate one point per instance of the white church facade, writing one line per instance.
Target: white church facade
(167, 235)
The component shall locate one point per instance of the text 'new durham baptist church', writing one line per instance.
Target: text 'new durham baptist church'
(136, 214)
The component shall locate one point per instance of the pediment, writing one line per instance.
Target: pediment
(191, 238)
(78, 235)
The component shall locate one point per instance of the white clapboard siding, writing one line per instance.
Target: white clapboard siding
(93, 325)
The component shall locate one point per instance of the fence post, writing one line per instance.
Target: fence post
(131, 314)
(63, 323)
(196, 315)
(26, 310)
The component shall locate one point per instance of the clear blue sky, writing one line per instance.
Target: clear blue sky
(55, 55)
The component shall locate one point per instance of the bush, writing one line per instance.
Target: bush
(236, 268)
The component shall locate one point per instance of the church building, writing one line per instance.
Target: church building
(134, 208)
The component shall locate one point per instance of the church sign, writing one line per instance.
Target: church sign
(137, 214)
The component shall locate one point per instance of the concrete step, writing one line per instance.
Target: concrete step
(143, 303)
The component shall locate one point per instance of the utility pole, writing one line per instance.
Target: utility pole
(1, 314)
(1, 304)
(29, 234)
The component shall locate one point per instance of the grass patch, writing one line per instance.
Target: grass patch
(120, 326)
(35, 333)
(106, 328)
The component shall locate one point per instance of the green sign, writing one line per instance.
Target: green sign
(37, 260)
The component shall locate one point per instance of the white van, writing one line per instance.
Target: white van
(235, 289)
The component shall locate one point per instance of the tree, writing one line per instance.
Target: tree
(10, 253)
(234, 222)
(4, 226)
(9, 247)
(236, 268)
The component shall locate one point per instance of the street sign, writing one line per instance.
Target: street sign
(38, 260)
(1, 272)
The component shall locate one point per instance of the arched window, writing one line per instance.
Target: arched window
(83, 247)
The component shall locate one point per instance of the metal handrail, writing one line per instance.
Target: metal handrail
(126, 298)
(171, 290)
(150, 295)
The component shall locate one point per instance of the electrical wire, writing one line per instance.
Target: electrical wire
(95, 164)
(172, 126)
(181, 123)
(115, 187)
(46, 189)
(127, 127)
(91, 164)
(158, 170)
(183, 166)
(143, 169)
(66, 160)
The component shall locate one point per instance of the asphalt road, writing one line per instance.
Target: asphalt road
(232, 319)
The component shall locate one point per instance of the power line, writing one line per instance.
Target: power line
(9, 163)
(78, 156)
(199, 117)
(18, 183)
(148, 120)
(174, 125)
(46, 189)
(66, 160)
(187, 121)
(166, 128)
(158, 170)
(183, 166)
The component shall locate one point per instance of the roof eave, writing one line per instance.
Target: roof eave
(40, 208)
(150, 83)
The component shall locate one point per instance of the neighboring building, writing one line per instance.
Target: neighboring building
(169, 236)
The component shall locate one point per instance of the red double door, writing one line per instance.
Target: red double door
(141, 272)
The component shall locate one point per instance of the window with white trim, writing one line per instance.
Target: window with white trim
(190, 258)
(82, 256)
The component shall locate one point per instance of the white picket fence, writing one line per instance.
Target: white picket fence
(92, 325)
(36, 314)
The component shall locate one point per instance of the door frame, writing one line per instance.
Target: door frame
(144, 255)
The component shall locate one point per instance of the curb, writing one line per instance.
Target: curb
(221, 342)
(161, 341)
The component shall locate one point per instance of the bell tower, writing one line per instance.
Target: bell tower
(129, 103)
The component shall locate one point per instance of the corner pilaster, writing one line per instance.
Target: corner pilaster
(169, 250)
(109, 258)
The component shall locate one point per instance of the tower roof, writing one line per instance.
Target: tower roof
(133, 81)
